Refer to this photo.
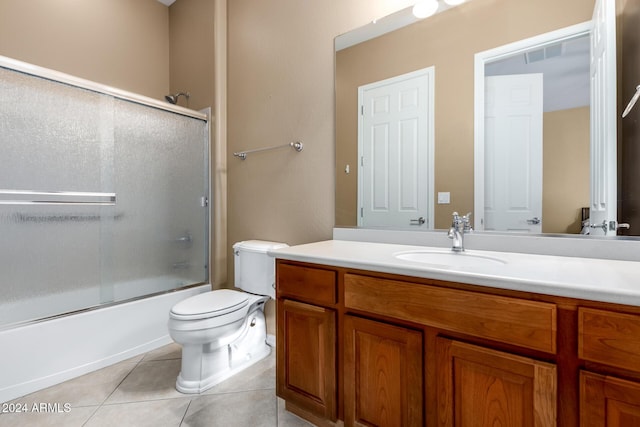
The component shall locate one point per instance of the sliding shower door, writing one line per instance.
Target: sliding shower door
(101, 199)
(161, 180)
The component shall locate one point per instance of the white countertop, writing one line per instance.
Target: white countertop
(586, 278)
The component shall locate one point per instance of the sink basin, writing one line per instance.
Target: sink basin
(450, 258)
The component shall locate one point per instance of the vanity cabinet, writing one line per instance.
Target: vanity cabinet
(306, 340)
(475, 385)
(358, 348)
(383, 372)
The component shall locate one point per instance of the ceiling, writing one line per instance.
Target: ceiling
(565, 67)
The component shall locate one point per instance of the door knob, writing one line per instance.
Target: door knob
(418, 221)
(534, 221)
(614, 225)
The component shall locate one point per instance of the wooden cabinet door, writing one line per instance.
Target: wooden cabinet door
(608, 402)
(479, 387)
(383, 374)
(306, 357)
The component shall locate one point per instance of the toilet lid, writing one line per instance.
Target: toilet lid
(210, 304)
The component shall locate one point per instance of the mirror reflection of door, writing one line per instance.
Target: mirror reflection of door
(562, 57)
(395, 148)
(513, 153)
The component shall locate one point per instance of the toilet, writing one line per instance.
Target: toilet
(223, 332)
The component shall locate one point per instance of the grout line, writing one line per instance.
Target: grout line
(92, 415)
(185, 413)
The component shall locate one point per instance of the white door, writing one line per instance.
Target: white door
(395, 147)
(513, 153)
(603, 204)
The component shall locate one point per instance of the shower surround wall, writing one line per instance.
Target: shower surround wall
(103, 198)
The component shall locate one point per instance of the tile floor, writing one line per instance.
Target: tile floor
(140, 392)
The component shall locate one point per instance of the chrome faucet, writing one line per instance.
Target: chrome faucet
(459, 226)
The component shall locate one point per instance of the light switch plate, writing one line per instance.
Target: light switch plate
(444, 198)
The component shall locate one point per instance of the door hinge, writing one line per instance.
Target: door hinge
(361, 212)
(362, 110)
(204, 202)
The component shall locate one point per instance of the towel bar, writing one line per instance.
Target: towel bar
(298, 146)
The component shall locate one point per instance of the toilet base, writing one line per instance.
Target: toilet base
(191, 387)
(204, 367)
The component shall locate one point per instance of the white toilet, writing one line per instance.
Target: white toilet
(223, 332)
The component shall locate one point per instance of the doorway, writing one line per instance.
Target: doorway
(563, 57)
(395, 151)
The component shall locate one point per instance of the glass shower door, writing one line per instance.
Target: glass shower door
(102, 199)
(56, 186)
(161, 165)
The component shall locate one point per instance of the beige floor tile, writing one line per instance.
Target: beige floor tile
(149, 381)
(167, 352)
(156, 413)
(75, 417)
(255, 408)
(88, 390)
(141, 391)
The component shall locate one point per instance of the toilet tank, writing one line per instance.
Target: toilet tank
(254, 268)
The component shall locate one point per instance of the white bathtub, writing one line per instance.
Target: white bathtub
(42, 354)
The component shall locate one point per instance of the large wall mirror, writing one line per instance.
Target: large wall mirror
(448, 44)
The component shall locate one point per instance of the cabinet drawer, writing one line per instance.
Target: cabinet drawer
(313, 285)
(529, 324)
(610, 338)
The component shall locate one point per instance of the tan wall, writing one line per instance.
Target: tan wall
(193, 64)
(192, 51)
(120, 43)
(449, 42)
(565, 179)
(280, 89)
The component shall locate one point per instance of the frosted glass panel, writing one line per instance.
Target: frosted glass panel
(53, 137)
(160, 179)
(120, 186)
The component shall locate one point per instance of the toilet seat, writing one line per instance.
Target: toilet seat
(210, 304)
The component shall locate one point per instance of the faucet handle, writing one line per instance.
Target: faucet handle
(467, 222)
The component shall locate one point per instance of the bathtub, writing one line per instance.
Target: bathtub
(42, 354)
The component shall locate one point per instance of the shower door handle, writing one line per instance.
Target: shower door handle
(31, 197)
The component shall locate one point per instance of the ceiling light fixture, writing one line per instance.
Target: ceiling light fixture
(425, 8)
(454, 2)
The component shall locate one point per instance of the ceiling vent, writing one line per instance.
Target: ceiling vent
(541, 54)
